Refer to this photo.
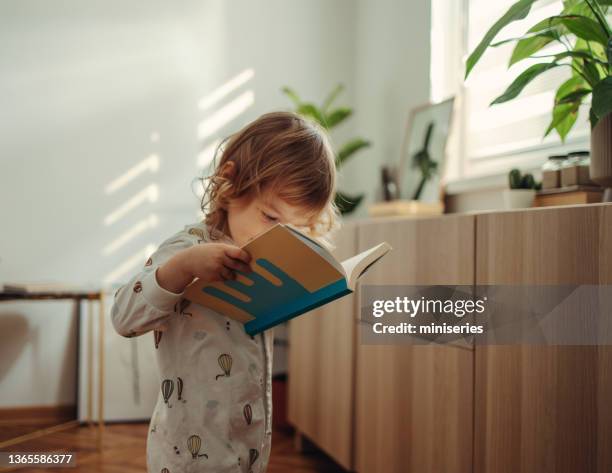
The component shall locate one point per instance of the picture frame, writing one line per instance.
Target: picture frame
(427, 130)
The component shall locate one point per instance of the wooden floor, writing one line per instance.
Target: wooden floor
(124, 451)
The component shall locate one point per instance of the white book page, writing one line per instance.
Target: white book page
(355, 266)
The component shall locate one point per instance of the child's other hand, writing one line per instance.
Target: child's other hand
(216, 261)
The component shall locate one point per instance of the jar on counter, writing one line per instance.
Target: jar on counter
(575, 170)
(551, 171)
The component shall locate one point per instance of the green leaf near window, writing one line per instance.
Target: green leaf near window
(522, 80)
(529, 46)
(583, 30)
(518, 11)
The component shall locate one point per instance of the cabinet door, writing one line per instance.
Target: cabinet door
(414, 403)
(544, 408)
(321, 368)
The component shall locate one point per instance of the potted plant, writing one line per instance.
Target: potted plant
(522, 190)
(584, 32)
(329, 118)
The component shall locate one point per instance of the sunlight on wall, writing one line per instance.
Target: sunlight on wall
(139, 228)
(148, 194)
(221, 92)
(225, 114)
(209, 127)
(148, 164)
(137, 259)
(206, 156)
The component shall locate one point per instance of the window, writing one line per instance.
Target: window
(491, 140)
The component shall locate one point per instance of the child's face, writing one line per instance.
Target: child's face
(249, 216)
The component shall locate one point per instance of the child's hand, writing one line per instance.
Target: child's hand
(207, 261)
(216, 261)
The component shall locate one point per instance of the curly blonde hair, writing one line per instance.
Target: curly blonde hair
(280, 152)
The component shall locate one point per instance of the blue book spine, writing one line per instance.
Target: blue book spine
(280, 314)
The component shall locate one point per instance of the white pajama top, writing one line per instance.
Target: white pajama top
(214, 405)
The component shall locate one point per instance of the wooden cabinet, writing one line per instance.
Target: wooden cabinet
(321, 368)
(414, 403)
(544, 408)
(489, 409)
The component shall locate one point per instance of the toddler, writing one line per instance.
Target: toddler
(214, 406)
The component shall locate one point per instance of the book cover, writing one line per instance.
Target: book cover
(292, 274)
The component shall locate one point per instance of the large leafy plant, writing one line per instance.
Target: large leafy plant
(582, 28)
(329, 117)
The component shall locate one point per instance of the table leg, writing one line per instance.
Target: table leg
(101, 371)
(90, 321)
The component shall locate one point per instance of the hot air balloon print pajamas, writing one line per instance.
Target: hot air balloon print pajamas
(214, 406)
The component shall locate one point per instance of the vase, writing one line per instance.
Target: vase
(601, 156)
(518, 198)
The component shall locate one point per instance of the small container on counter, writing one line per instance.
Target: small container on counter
(551, 171)
(575, 170)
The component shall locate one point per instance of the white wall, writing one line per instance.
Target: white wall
(391, 76)
(83, 86)
(89, 90)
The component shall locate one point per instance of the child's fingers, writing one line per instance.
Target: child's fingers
(236, 264)
(227, 273)
(237, 253)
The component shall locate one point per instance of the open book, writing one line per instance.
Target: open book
(292, 274)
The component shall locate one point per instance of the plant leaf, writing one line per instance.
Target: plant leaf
(578, 94)
(599, 16)
(598, 50)
(585, 28)
(514, 178)
(345, 203)
(528, 46)
(522, 80)
(518, 11)
(349, 148)
(338, 116)
(564, 117)
(592, 118)
(570, 85)
(331, 97)
(311, 111)
(601, 104)
(579, 54)
(569, 4)
(579, 8)
(292, 95)
(609, 49)
(550, 23)
(520, 38)
(590, 71)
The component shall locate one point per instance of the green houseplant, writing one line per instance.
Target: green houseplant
(329, 118)
(516, 180)
(521, 191)
(583, 29)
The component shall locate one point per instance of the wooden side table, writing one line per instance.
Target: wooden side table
(77, 297)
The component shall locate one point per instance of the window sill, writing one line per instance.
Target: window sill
(488, 182)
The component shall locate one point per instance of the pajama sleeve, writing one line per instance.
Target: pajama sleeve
(142, 305)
